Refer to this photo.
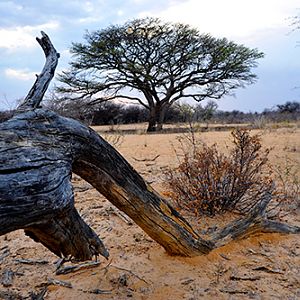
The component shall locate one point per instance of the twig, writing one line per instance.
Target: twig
(262, 254)
(244, 278)
(147, 159)
(70, 269)
(106, 267)
(122, 216)
(224, 256)
(52, 281)
(32, 262)
(268, 270)
(233, 291)
(5, 253)
(59, 263)
(96, 291)
(130, 272)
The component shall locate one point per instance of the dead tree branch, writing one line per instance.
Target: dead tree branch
(40, 150)
(36, 93)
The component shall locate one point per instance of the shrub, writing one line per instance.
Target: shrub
(209, 182)
(288, 183)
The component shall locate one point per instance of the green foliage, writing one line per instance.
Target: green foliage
(156, 64)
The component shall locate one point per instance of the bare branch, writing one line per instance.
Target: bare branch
(36, 93)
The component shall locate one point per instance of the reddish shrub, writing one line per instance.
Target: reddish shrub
(209, 182)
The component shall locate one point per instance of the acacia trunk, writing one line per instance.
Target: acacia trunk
(152, 121)
(161, 116)
(156, 117)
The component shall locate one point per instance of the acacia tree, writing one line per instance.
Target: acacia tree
(156, 64)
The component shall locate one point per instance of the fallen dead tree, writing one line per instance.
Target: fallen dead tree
(39, 150)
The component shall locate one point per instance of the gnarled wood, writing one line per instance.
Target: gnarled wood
(36, 94)
(67, 234)
(38, 184)
(255, 222)
(39, 150)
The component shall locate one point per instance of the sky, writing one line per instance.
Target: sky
(262, 24)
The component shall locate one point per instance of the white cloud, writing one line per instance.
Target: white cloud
(138, 1)
(88, 6)
(20, 37)
(232, 18)
(120, 12)
(20, 74)
(87, 20)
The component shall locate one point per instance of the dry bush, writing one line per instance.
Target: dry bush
(209, 182)
(116, 139)
(288, 184)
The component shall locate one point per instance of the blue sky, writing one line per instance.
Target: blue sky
(262, 24)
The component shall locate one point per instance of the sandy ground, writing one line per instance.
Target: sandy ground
(266, 266)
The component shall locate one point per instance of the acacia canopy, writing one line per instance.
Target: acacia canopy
(156, 64)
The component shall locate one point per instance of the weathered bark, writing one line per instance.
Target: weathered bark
(39, 150)
(152, 120)
(255, 222)
(157, 117)
(161, 118)
(37, 171)
(67, 234)
(36, 94)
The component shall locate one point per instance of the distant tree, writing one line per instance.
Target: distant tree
(187, 112)
(77, 109)
(107, 113)
(289, 107)
(205, 113)
(134, 114)
(156, 64)
(174, 114)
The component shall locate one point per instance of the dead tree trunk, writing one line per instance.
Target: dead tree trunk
(39, 150)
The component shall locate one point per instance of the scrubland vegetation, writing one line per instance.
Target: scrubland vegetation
(209, 182)
(109, 113)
